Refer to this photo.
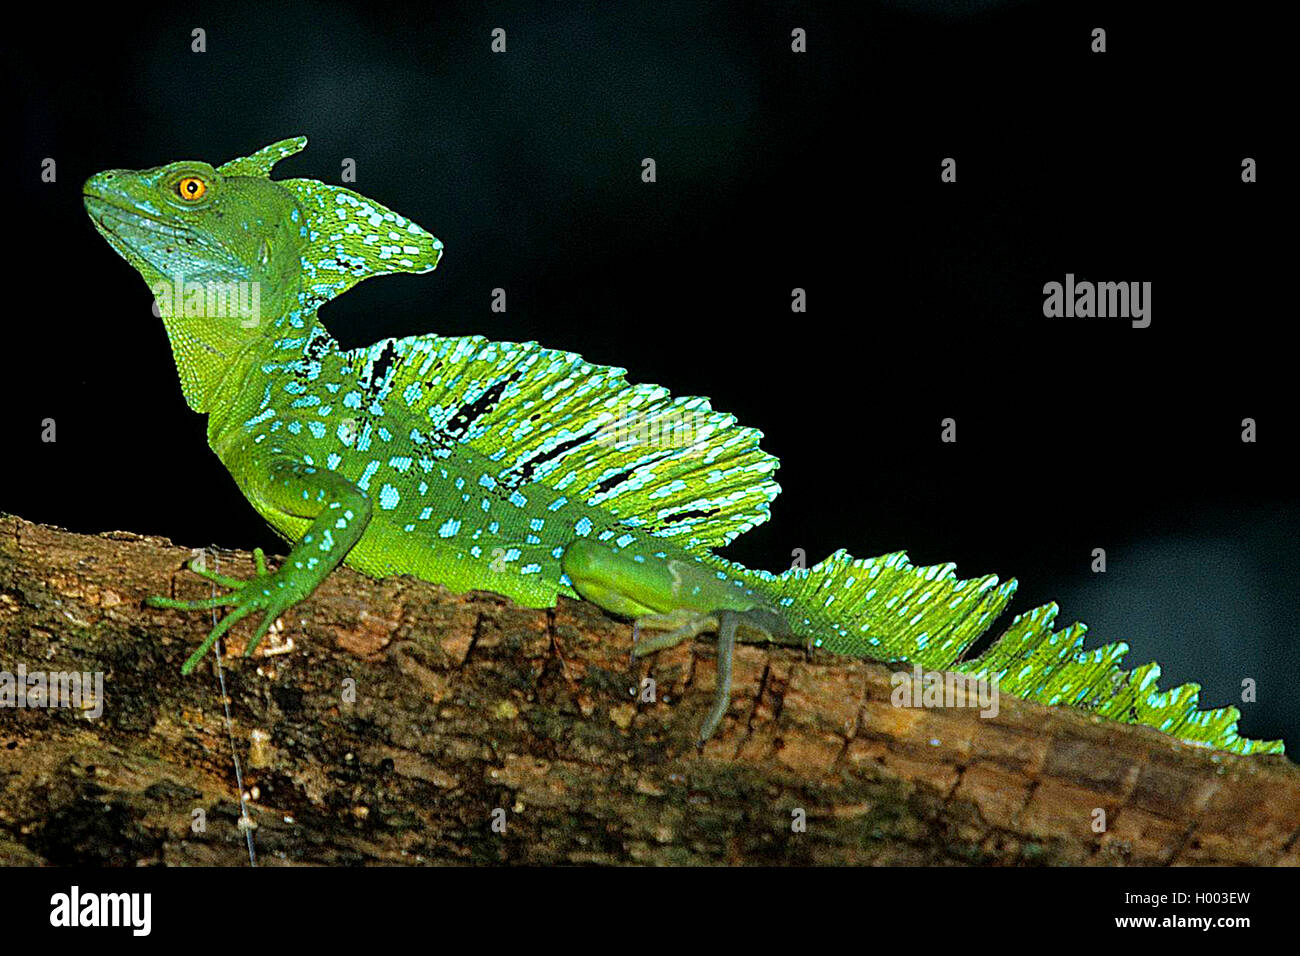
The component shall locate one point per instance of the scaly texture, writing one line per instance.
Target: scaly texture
(511, 467)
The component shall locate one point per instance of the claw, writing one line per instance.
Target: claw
(226, 623)
(244, 601)
(221, 579)
(198, 604)
(678, 626)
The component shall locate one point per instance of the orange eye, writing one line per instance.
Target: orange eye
(191, 188)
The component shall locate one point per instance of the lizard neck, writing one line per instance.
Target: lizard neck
(293, 343)
(214, 350)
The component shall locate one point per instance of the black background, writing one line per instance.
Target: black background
(775, 170)
(322, 908)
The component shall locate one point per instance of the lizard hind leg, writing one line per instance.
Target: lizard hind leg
(727, 622)
(677, 626)
(684, 624)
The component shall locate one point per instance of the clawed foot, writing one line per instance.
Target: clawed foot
(267, 590)
(683, 625)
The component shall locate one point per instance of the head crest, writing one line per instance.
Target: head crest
(261, 162)
(349, 237)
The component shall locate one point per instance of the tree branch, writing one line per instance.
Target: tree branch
(396, 722)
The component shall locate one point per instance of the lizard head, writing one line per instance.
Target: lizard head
(186, 225)
(231, 254)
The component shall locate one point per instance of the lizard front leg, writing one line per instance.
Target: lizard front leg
(339, 512)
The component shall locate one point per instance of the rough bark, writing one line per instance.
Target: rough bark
(468, 709)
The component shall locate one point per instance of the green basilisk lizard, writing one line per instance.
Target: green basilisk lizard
(501, 466)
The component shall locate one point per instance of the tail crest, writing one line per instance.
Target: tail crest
(888, 609)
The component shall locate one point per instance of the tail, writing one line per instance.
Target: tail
(888, 609)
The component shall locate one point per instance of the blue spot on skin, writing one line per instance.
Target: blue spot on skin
(583, 528)
(449, 528)
(364, 481)
(388, 497)
(258, 419)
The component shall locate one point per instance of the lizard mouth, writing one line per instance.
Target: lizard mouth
(109, 214)
(134, 233)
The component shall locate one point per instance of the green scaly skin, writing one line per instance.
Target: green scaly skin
(497, 466)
